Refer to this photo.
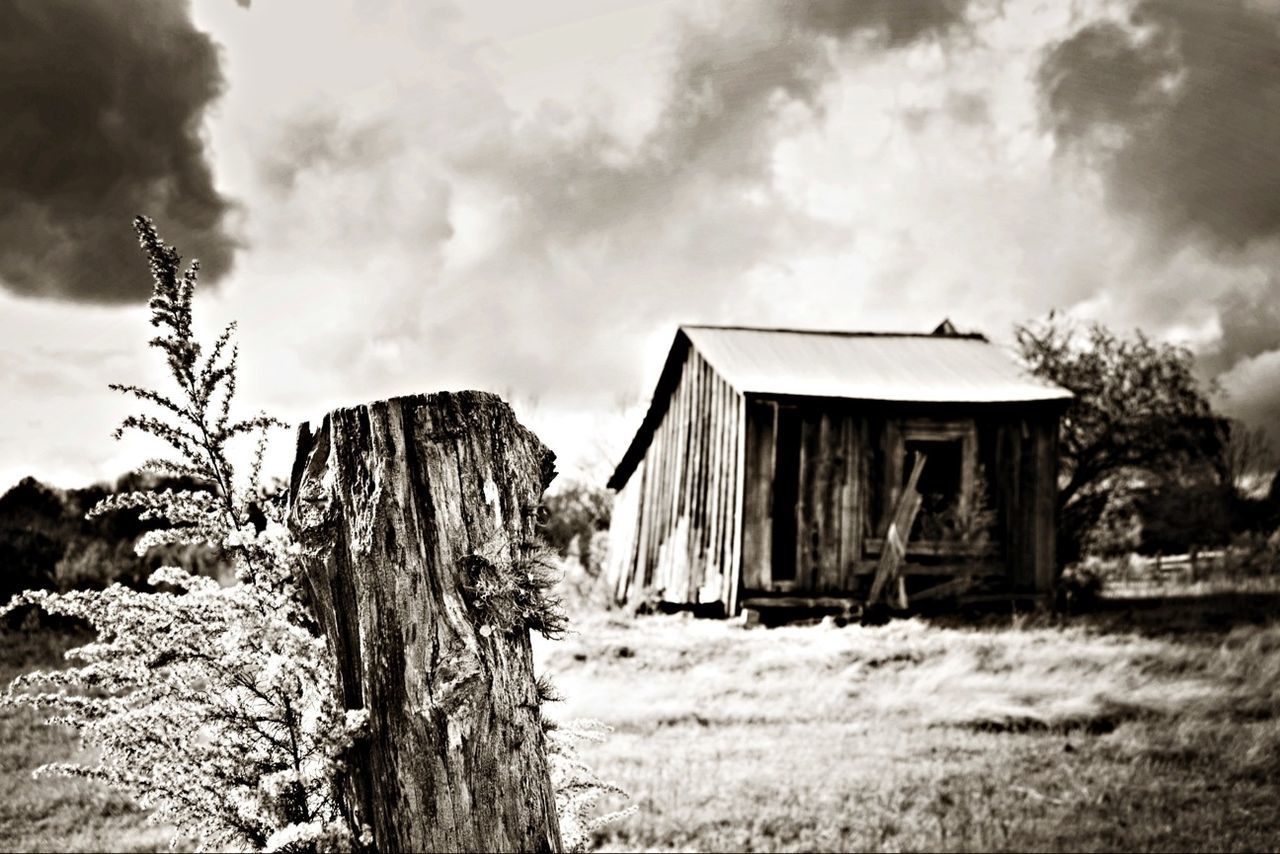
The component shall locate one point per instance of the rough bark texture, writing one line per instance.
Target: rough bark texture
(390, 501)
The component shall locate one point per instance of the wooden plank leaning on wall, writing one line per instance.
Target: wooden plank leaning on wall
(894, 554)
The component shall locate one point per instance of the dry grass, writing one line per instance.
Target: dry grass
(56, 814)
(914, 736)
(1139, 727)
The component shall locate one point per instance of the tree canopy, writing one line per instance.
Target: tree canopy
(1140, 413)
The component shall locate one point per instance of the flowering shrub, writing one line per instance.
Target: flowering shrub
(217, 707)
(578, 787)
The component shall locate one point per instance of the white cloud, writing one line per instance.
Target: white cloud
(529, 201)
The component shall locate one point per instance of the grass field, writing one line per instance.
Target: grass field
(1142, 726)
(56, 814)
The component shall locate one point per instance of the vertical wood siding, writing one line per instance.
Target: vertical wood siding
(1026, 484)
(831, 497)
(676, 532)
(695, 522)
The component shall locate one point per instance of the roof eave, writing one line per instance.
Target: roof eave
(1059, 399)
(668, 379)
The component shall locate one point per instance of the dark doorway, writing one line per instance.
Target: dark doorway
(939, 486)
(786, 493)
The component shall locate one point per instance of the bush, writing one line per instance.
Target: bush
(214, 706)
(1180, 517)
(1253, 555)
(571, 519)
(1079, 588)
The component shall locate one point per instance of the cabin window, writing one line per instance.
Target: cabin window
(950, 497)
(940, 486)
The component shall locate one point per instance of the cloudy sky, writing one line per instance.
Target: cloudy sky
(528, 197)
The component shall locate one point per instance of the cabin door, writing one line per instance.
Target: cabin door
(803, 503)
(786, 497)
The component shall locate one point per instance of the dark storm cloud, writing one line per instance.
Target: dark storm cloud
(1181, 107)
(896, 23)
(1250, 322)
(102, 104)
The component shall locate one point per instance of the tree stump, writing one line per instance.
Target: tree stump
(396, 504)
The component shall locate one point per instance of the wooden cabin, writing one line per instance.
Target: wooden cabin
(770, 462)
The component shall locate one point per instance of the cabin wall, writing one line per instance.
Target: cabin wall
(674, 532)
(1026, 481)
(698, 519)
(620, 554)
(850, 462)
(817, 475)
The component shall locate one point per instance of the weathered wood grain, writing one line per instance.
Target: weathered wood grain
(945, 590)
(736, 507)
(904, 516)
(395, 504)
(757, 523)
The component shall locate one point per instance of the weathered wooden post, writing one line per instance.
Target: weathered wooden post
(396, 504)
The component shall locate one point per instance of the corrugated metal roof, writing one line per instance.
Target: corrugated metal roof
(869, 366)
(942, 367)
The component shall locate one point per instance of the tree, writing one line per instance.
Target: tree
(32, 538)
(1180, 517)
(576, 512)
(48, 542)
(1140, 414)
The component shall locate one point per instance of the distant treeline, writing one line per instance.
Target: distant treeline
(1176, 517)
(1180, 514)
(47, 543)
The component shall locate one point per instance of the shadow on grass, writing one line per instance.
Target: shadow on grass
(1167, 616)
(1173, 616)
